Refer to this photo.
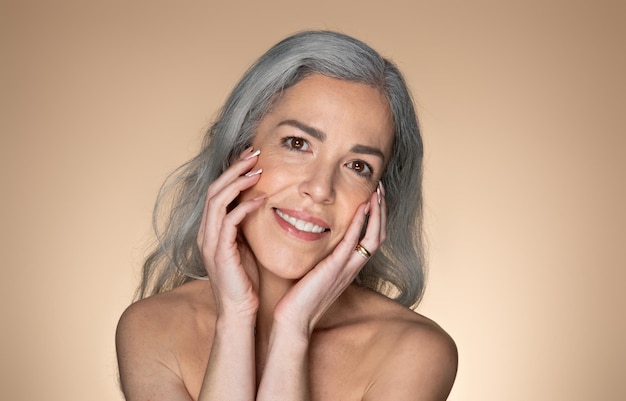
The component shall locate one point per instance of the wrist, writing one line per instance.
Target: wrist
(235, 323)
(233, 312)
(294, 334)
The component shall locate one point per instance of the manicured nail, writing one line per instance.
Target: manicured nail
(367, 208)
(260, 197)
(245, 153)
(255, 172)
(378, 193)
(255, 154)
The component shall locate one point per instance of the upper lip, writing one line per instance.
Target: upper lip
(304, 216)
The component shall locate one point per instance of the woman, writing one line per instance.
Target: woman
(275, 276)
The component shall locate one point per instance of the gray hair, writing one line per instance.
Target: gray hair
(397, 268)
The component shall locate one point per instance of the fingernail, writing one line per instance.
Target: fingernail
(255, 154)
(367, 208)
(245, 152)
(382, 188)
(260, 197)
(378, 193)
(255, 172)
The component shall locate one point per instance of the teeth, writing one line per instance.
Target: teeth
(300, 224)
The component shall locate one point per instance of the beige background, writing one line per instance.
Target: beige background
(522, 106)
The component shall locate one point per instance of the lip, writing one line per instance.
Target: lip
(294, 232)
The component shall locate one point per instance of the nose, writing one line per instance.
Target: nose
(319, 184)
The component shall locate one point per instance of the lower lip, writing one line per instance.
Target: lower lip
(294, 232)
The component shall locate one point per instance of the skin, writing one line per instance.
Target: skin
(323, 148)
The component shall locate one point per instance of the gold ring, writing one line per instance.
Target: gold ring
(362, 251)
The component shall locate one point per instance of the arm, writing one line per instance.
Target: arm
(231, 370)
(286, 375)
(230, 374)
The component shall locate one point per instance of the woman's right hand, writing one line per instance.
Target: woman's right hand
(228, 260)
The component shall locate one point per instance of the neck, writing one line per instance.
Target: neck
(272, 288)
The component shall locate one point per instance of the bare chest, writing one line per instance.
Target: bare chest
(340, 367)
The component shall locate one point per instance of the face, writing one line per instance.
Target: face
(324, 146)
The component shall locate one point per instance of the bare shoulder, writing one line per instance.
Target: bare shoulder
(149, 340)
(412, 357)
(421, 363)
(171, 307)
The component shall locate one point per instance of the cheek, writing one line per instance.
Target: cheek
(355, 190)
(348, 200)
(275, 175)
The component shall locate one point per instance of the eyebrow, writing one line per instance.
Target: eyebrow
(321, 136)
(315, 133)
(368, 150)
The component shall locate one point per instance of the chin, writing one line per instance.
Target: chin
(285, 264)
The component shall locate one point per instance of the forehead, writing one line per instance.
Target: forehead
(341, 109)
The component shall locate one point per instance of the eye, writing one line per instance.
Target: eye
(360, 167)
(295, 143)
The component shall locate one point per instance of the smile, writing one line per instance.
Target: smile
(301, 225)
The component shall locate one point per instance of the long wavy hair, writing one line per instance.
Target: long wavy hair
(397, 268)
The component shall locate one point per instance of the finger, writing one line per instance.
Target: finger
(246, 160)
(216, 208)
(383, 213)
(344, 250)
(371, 239)
(377, 226)
(227, 245)
(238, 168)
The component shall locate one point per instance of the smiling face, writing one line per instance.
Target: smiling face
(324, 146)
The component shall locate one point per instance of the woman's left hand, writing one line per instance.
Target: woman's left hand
(303, 306)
